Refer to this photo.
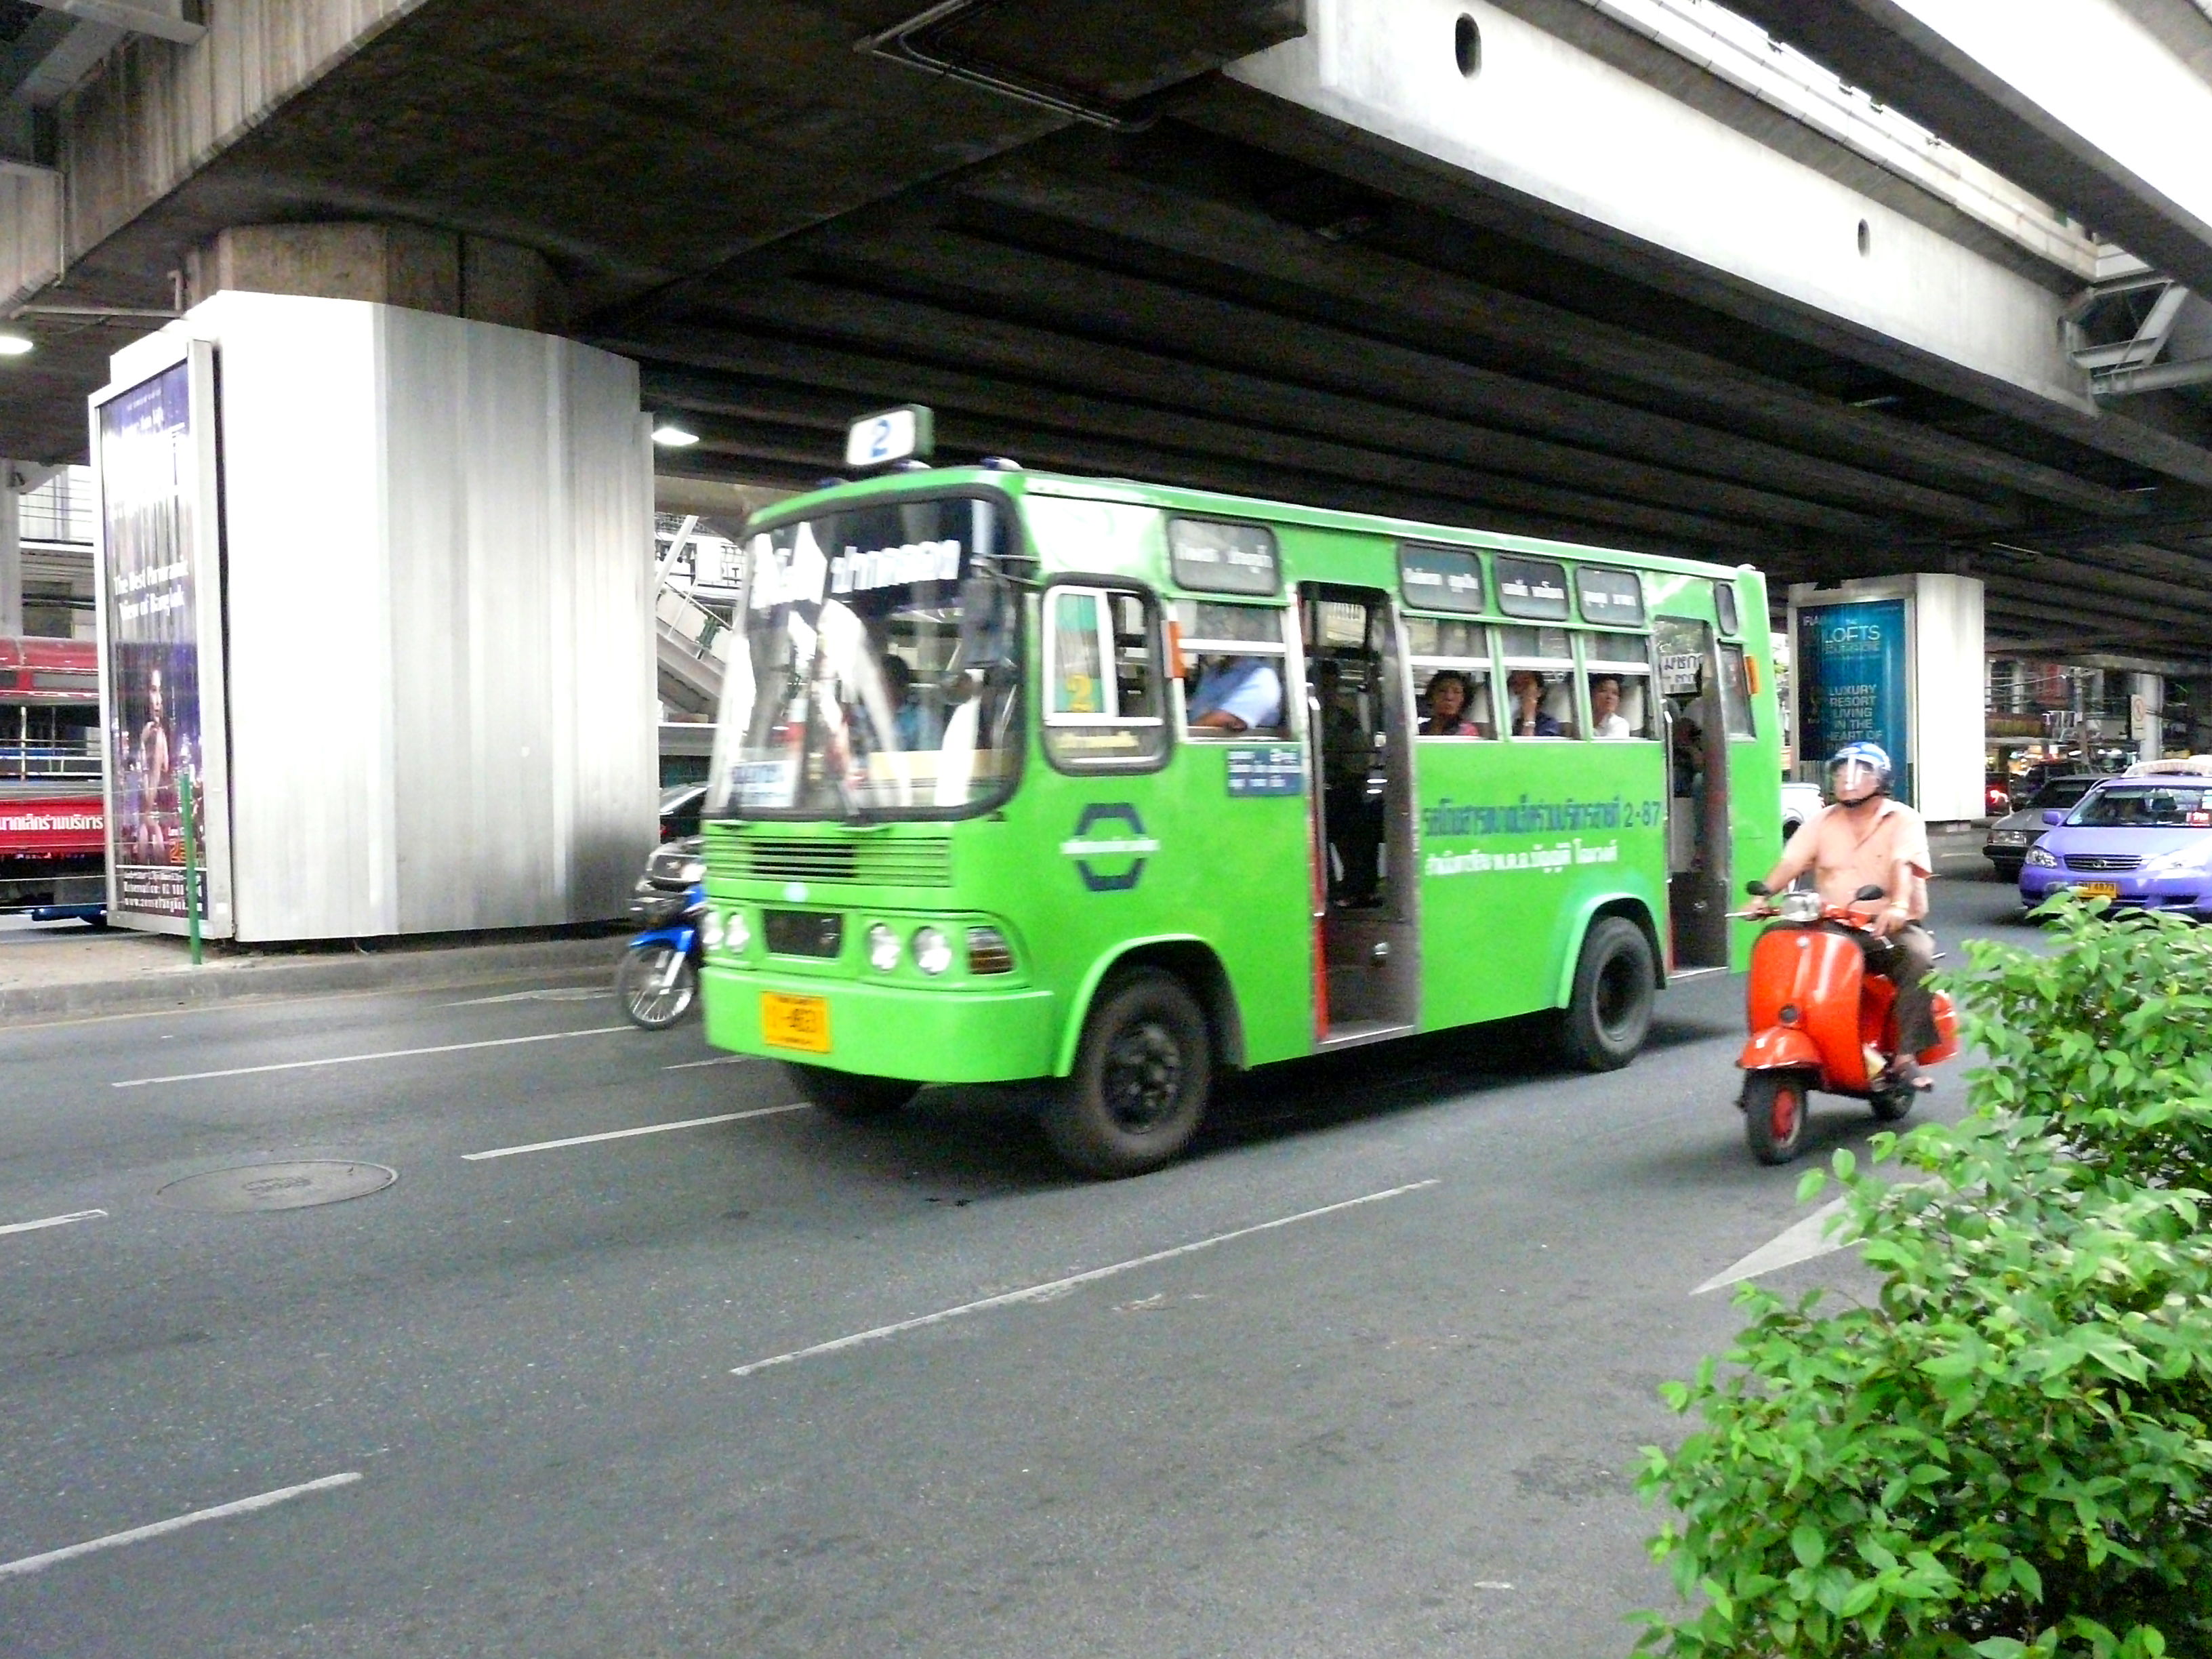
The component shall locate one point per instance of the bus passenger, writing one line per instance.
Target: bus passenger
(1526, 687)
(1448, 716)
(1353, 815)
(1608, 723)
(1238, 695)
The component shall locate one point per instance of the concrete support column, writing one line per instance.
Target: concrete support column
(2148, 696)
(395, 265)
(11, 553)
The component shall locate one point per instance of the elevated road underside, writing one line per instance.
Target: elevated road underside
(1216, 244)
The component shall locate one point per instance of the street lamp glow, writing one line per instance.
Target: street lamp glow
(16, 345)
(669, 435)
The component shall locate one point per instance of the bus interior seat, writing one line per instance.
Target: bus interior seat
(1560, 703)
(1632, 706)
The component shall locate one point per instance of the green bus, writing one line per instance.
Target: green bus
(1114, 787)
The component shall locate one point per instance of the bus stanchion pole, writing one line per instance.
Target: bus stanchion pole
(191, 865)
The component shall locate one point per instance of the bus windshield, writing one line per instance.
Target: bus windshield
(876, 671)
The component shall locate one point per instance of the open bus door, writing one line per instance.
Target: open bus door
(1359, 730)
(1698, 796)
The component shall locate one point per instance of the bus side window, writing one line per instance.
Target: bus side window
(1617, 669)
(1540, 682)
(1104, 680)
(1233, 660)
(1736, 693)
(1440, 651)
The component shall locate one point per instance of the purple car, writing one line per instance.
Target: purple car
(2143, 842)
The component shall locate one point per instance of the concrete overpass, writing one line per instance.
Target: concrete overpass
(1627, 270)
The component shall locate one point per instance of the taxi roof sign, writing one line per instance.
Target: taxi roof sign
(907, 432)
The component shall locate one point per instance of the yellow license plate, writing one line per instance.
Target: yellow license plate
(802, 1023)
(2102, 889)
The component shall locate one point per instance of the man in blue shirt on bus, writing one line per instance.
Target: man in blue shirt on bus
(1244, 693)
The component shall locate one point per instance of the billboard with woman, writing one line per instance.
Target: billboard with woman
(161, 646)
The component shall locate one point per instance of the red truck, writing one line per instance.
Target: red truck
(53, 830)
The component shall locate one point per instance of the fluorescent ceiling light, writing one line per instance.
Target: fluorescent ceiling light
(14, 345)
(670, 435)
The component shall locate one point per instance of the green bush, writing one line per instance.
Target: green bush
(2008, 1450)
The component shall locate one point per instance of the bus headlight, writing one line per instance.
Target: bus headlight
(883, 949)
(710, 928)
(737, 935)
(932, 951)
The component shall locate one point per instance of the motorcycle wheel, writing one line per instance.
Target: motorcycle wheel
(1890, 1105)
(1774, 1111)
(648, 996)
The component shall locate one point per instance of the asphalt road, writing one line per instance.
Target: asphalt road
(1395, 1427)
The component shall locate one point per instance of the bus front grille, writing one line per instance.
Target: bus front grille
(875, 862)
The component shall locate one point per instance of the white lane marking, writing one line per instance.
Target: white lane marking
(52, 1221)
(555, 993)
(624, 1135)
(718, 1059)
(177, 1523)
(1059, 1287)
(355, 1060)
(1802, 1242)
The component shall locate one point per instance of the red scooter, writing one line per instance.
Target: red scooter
(1819, 1020)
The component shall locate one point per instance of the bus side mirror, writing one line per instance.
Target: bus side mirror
(1756, 889)
(1868, 894)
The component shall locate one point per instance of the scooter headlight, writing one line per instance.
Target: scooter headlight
(1799, 907)
(711, 933)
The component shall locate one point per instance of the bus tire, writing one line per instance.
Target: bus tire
(1610, 1011)
(1143, 1075)
(850, 1096)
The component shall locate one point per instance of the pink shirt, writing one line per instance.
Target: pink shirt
(1844, 856)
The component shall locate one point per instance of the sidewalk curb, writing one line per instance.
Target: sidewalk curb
(185, 988)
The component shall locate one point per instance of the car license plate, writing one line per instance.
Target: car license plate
(2102, 889)
(801, 1022)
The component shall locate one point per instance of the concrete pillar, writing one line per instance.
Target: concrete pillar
(397, 265)
(11, 553)
(2149, 731)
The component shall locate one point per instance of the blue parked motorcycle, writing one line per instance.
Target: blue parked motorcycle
(658, 979)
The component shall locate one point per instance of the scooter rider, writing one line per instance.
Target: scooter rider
(1863, 838)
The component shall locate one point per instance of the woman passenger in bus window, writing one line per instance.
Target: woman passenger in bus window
(1606, 722)
(1448, 715)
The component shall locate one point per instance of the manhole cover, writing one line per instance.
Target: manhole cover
(277, 1186)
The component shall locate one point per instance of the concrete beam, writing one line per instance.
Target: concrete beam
(1395, 292)
(1046, 427)
(1668, 196)
(1744, 477)
(2102, 106)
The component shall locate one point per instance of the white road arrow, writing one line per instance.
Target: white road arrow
(1802, 1242)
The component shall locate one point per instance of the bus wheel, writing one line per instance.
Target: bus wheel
(848, 1095)
(1774, 1114)
(1141, 1079)
(1605, 1022)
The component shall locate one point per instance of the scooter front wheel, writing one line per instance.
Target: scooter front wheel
(1774, 1111)
(656, 986)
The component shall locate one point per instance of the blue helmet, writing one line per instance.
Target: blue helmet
(1857, 771)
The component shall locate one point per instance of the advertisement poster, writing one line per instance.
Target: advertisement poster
(1851, 667)
(150, 501)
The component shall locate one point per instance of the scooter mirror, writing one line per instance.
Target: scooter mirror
(1756, 889)
(1866, 894)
